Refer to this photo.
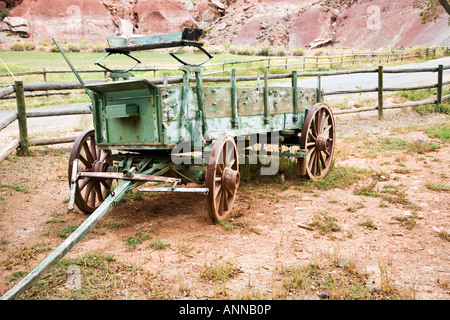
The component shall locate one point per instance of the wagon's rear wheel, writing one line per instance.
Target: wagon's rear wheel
(318, 138)
(222, 178)
(89, 193)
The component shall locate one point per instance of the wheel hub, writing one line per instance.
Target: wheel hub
(322, 142)
(230, 179)
(99, 166)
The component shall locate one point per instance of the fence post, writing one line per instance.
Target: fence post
(439, 88)
(318, 90)
(22, 119)
(380, 92)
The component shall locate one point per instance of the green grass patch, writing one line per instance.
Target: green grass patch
(23, 253)
(158, 244)
(325, 223)
(137, 239)
(368, 224)
(218, 270)
(437, 186)
(66, 231)
(340, 177)
(93, 276)
(441, 132)
(18, 188)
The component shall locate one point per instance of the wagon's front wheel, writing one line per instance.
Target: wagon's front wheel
(318, 139)
(222, 178)
(89, 193)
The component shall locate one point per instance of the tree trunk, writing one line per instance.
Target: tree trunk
(446, 5)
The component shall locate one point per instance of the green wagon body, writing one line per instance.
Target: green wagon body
(137, 115)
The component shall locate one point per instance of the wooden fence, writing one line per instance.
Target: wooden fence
(301, 63)
(22, 144)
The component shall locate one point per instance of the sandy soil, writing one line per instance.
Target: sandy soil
(278, 217)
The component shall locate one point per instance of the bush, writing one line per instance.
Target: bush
(279, 51)
(299, 52)
(19, 46)
(4, 14)
(30, 46)
(54, 48)
(99, 46)
(73, 47)
(264, 51)
(245, 51)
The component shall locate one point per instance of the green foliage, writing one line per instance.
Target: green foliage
(440, 132)
(4, 14)
(430, 10)
(67, 231)
(18, 188)
(158, 244)
(30, 46)
(18, 46)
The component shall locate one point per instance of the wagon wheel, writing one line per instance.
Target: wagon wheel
(318, 138)
(89, 192)
(222, 178)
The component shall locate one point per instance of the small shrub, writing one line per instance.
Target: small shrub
(30, 46)
(4, 14)
(264, 51)
(18, 46)
(73, 47)
(325, 223)
(54, 48)
(158, 244)
(299, 52)
(99, 47)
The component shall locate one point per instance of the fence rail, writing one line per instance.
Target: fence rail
(303, 61)
(21, 114)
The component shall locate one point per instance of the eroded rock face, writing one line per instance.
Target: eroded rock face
(159, 16)
(289, 23)
(72, 21)
(17, 25)
(380, 23)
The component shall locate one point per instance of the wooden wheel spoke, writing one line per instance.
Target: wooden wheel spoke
(319, 122)
(105, 184)
(322, 160)
(99, 192)
(225, 201)
(92, 148)
(318, 167)
(87, 152)
(325, 122)
(84, 183)
(311, 135)
(86, 163)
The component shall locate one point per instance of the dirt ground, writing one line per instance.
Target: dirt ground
(391, 249)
